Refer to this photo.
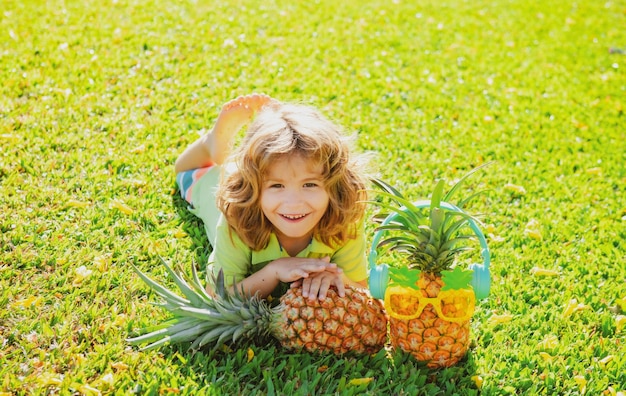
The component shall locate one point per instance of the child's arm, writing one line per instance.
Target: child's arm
(287, 269)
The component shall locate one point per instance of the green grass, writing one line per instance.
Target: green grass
(98, 98)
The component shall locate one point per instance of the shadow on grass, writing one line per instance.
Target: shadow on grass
(267, 368)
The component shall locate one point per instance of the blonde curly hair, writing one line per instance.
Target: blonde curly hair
(283, 130)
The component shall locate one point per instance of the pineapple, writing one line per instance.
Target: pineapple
(430, 301)
(355, 323)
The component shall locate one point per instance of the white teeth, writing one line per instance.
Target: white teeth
(292, 217)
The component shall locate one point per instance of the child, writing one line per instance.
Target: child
(289, 210)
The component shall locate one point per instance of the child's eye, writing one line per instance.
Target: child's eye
(310, 185)
(276, 185)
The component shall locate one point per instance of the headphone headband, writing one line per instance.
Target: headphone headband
(379, 274)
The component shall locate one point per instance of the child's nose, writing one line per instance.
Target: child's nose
(293, 196)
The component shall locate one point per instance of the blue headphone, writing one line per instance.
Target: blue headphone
(481, 278)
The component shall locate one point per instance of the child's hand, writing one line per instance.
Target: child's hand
(317, 284)
(290, 269)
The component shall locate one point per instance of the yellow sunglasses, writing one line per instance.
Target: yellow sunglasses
(451, 305)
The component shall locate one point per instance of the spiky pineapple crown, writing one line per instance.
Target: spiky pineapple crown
(431, 239)
(201, 319)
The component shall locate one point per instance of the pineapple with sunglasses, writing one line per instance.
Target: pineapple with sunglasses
(431, 300)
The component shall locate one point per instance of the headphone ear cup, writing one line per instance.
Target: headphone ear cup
(379, 278)
(481, 281)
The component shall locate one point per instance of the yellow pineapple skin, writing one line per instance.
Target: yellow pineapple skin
(356, 323)
(430, 339)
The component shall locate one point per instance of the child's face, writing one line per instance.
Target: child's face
(293, 198)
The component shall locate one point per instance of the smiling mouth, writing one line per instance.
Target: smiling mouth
(294, 217)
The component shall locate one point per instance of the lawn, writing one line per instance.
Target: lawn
(97, 99)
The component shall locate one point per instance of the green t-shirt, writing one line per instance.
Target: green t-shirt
(239, 261)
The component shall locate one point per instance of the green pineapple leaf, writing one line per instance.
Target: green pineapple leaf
(437, 215)
(456, 279)
(405, 277)
(447, 197)
(429, 233)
